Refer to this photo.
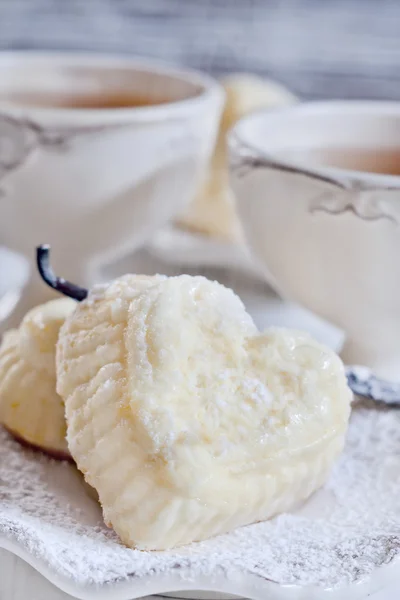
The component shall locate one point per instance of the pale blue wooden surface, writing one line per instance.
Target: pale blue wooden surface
(320, 48)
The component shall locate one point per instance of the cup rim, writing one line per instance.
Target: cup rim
(239, 139)
(209, 88)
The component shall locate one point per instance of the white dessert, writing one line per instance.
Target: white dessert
(188, 421)
(30, 407)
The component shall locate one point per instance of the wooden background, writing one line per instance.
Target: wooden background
(319, 48)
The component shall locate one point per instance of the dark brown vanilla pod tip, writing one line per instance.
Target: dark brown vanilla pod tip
(57, 283)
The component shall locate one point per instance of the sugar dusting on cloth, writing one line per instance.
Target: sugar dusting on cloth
(338, 537)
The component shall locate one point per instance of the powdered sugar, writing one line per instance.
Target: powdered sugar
(341, 535)
(96, 293)
(256, 391)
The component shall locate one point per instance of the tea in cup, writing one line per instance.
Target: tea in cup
(96, 153)
(318, 194)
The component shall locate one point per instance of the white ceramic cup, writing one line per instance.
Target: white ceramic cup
(96, 182)
(329, 238)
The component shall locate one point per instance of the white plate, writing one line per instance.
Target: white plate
(179, 246)
(48, 520)
(67, 490)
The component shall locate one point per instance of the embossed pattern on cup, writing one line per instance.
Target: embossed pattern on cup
(330, 238)
(96, 183)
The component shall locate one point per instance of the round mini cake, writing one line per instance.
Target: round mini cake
(30, 408)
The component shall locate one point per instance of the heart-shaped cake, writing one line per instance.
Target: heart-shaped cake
(186, 419)
(30, 407)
